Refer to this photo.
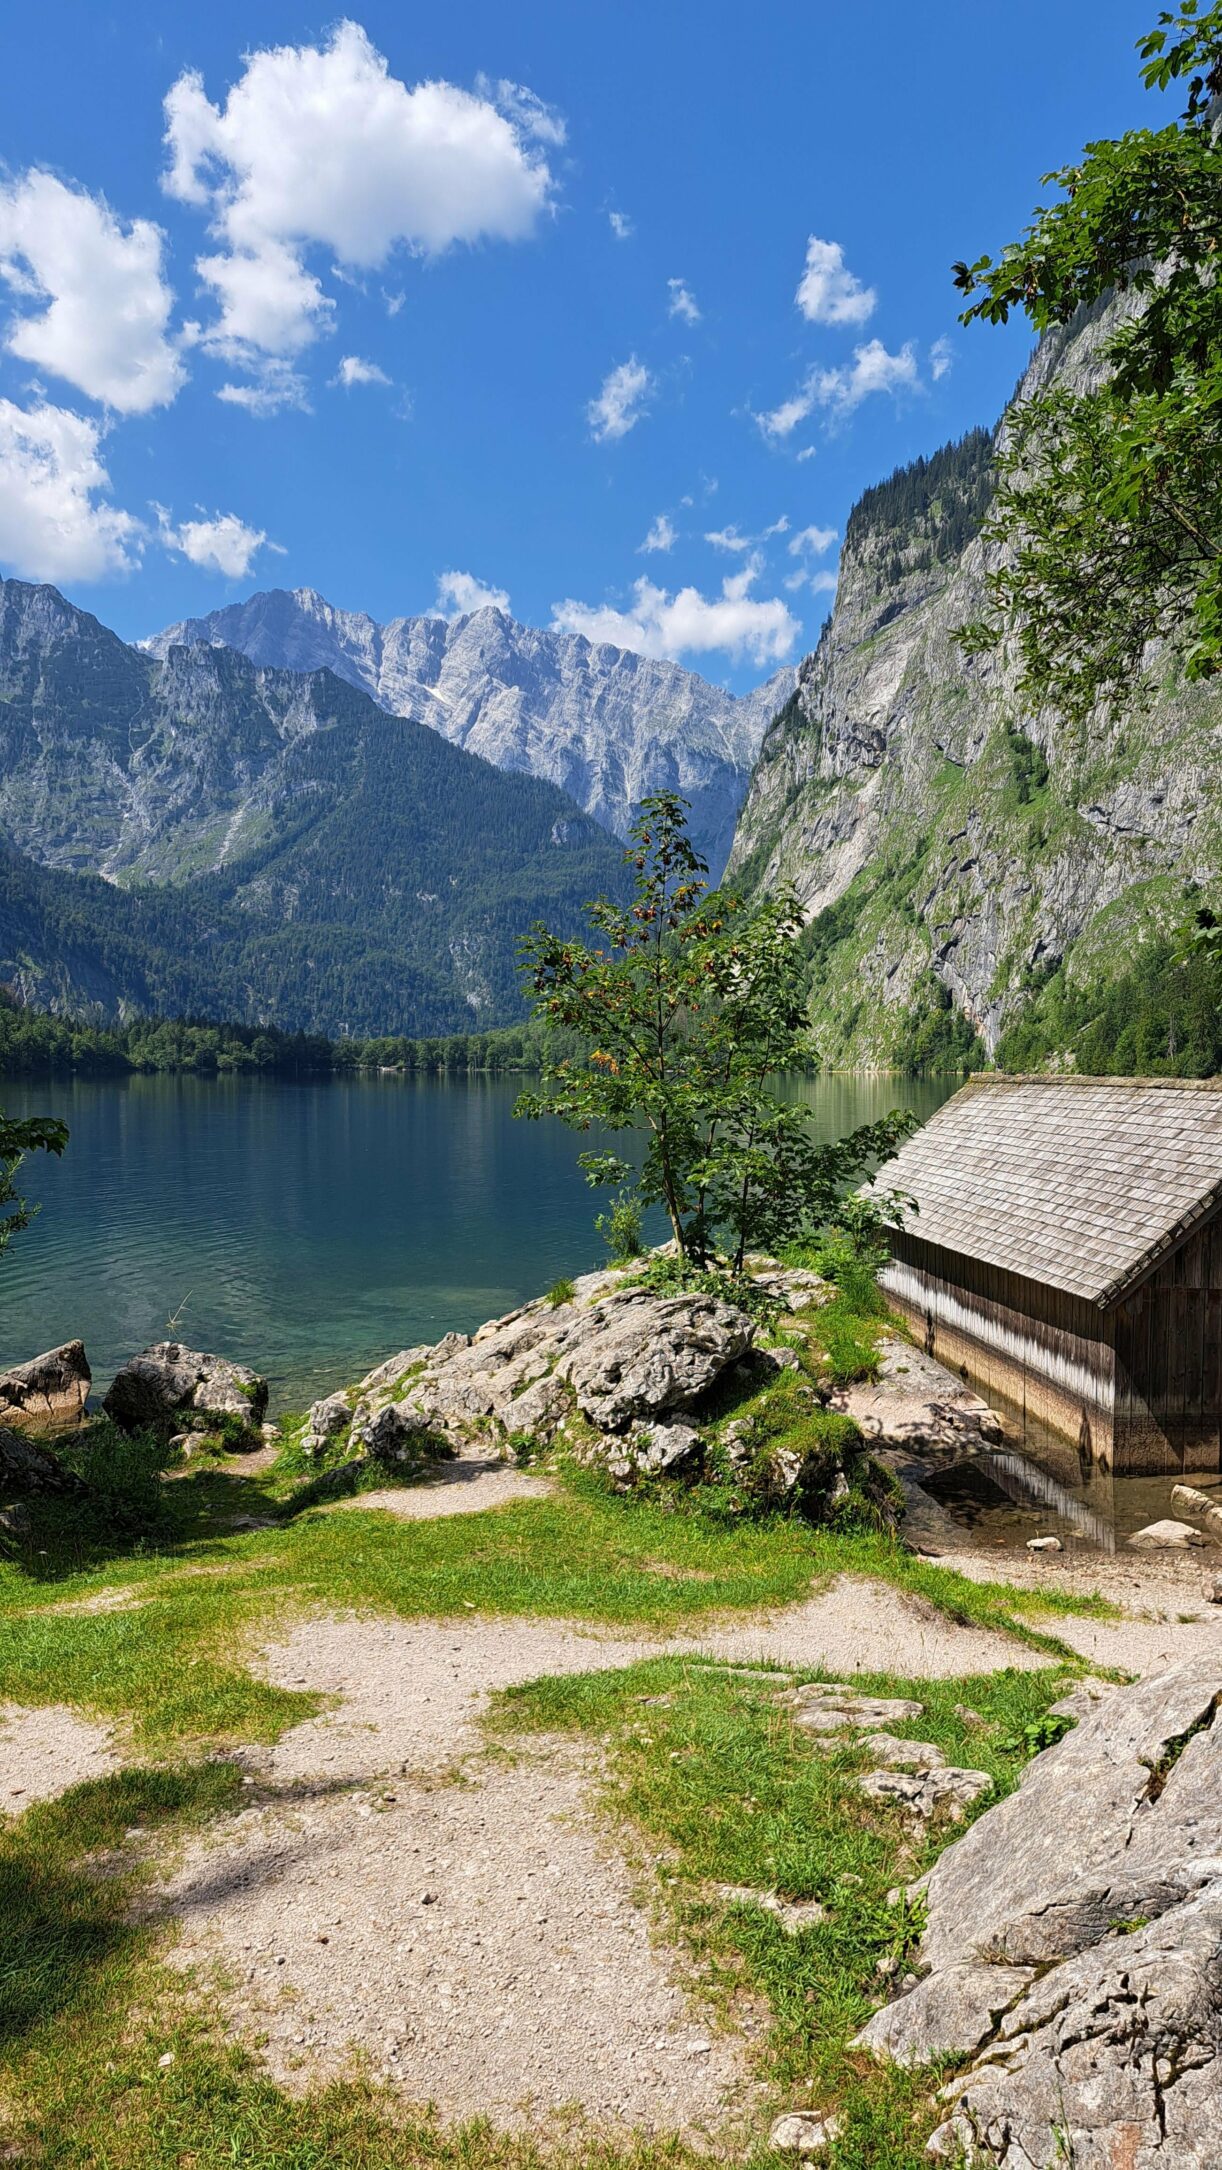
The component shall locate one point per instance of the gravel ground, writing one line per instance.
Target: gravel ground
(467, 1485)
(1168, 1615)
(43, 1752)
(461, 1922)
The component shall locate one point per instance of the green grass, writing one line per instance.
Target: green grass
(709, 1776)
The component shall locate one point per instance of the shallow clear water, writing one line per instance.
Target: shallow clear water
(310, 1229)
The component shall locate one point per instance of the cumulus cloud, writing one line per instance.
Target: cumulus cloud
(663, 535)
(621, 225)
(460, 593)
(729, 538)
(820, 583)
(620, 404)
(812, 540)
(99, 303)
(941, 358)
(55, 523)
(828, 292)
(322, 147)
(217, 542)
(872, 369)
(352, 370)
(734, 623)
(682, 302)
(525, 109)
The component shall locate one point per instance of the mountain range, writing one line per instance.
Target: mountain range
(203, 835)
(605, 725)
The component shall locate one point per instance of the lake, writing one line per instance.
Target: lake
(310, 1229)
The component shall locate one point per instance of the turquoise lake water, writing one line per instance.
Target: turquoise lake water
(310, 1229)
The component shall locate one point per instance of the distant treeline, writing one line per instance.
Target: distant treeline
(33, 1044)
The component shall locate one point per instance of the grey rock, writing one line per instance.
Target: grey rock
(329, 1416)
(1102, 1874)
(946, 1789)
(1191, 1501)
(51, 1389)
(394, 1433)
(954, 2011)
(834, 1707)
(902, 1755)
(659, 1449)
(169, 1381)
(386, 1376)
(26, 1467)
(1044, 1544)
(16, 1521)
(1213, 1589)
(798, 2133)
(1166, 1536)
(643, 1355)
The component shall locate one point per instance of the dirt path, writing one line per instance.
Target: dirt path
(44, 1751)
(479, 1941)
(1167, 1615)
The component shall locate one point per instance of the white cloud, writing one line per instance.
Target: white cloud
(682, 302)
(828, 292)
(460, 593)
(734, 623)
(104, 326)
(814, 540)
(729, 538)
(941, 359)
(663, 535)
(273, 386)
(217, 543)
(620, 404)
(54, 524)
(822, 583)
(872, 369)
(322, 147)
(352, 370)
(526, 110)
(621, 225)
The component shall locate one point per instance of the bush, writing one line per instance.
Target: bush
(622, 1229)
(124, 1472)
(561, 1292)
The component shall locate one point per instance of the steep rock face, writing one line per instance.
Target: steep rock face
(604, 724)
(967, 846)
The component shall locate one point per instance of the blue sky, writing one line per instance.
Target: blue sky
(487, 298)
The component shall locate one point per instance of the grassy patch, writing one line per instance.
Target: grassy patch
(709, 1772)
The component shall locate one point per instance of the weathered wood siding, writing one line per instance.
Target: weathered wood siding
(1048, 1354)
(1168, 1334)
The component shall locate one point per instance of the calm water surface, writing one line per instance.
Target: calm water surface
(310, 1229)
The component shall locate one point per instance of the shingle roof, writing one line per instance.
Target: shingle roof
(1077, 1182)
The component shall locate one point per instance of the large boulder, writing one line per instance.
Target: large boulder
(1073, 1946)
(168, 1384)
(50, 1390)
(26, 1467)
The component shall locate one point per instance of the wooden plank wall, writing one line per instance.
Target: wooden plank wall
(1049, 1354)
(1169, 1361)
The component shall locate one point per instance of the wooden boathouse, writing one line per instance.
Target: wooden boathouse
(1062, 1248)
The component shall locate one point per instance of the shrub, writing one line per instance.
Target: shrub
(622, 1229)
(561, 1292)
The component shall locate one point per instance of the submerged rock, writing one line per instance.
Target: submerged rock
(50, 1389)
(918, 1404)
(1166, 1536)
(1072, 1947)
(167, 1382)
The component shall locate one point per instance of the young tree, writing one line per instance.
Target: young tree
(1107, 497)
(37, 1134)
(691, 1008)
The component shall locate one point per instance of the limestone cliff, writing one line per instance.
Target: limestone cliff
(946, 843)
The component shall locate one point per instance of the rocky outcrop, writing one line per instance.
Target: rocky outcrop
(1072, 1947)
(968, 846)
(170, 1385)
(50, 1390)
(605, 724)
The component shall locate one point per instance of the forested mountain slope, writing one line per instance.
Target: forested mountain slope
(275, 846)
(956, 854)
(604, 724)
